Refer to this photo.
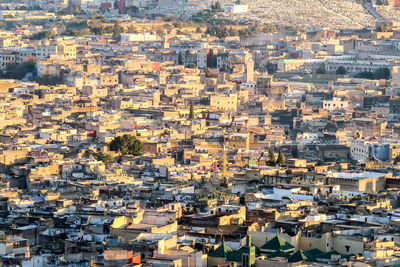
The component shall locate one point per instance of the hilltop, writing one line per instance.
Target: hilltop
(306, 14)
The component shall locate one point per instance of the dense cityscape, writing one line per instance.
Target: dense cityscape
(215, 133)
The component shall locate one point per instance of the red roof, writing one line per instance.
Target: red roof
(121, 4)
(106, 5)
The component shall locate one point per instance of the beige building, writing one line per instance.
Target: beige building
(63, 49)
(224, 102)
(368, 126)
(358, 182)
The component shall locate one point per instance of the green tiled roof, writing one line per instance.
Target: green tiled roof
(298, 256)
(221, 252)
(328, 255)
(236, 255)
(277, 243)
(258, 251)
(312, 253)
(278, 253)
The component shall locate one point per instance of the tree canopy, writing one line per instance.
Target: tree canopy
(320, 70)
(397, 159)
(49, 80)
(42, 35)
(281, 159)
(380, 73)
(117, 30)
(104, 157)
(191, 112)
(127, 145)
(271, 158)
(216, 6)
(341, 70)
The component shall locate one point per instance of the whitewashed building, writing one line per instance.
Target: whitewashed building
(235, 8)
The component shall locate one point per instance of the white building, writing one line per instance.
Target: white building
(334, 104)
(64, 49)
(235, 8)
(202, 59)
(361, 150)
(308, 64)
(138, 37)
(16, 56)
(307, 138)
(355, 66)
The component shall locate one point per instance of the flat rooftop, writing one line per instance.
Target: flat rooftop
(358, 175)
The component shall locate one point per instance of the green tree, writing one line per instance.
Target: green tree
(77, 10)
(191, 112)
(341, 70)
(281, 159)
(127, 145)
(271, 67)
(244, 32)
(365, 75)
(132, 10)
(177, 24)
(49, 80)
(382, 73)
(319, 192)
(96, 30)
(232, 32)
(269, 28)
(117, 30)
(217, 6)
(396, 159)
(104, 157)
(42, 35)
(77, 32)
(320, 70)
(385, 27)
(271, 158)
(70, 10)
(210, 31)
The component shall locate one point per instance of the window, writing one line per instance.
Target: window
(245, 260)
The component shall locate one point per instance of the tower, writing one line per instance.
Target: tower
(225, 162)
(249, 69)
(249, 255)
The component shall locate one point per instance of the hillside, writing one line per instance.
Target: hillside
(332, 14)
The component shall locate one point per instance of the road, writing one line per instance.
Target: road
(373, 12)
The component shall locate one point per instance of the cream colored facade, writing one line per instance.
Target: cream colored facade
(63, 49)
(224, 102)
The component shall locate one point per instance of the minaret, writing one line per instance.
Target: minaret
(249, 70)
